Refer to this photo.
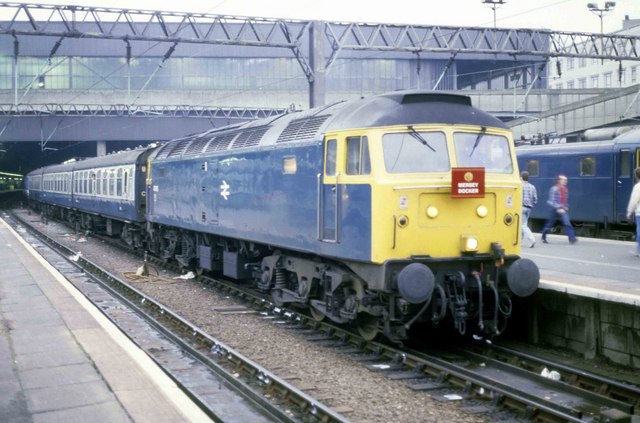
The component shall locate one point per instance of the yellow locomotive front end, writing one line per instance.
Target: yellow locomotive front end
(424, 211)
(446, 205)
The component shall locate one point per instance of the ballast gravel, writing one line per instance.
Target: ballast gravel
(337, 380)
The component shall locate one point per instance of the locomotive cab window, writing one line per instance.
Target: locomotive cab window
(358, 162)
(588, 166)
(415, 152)
(483, 150)
(331, 157)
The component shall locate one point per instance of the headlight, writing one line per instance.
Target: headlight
(469, 243)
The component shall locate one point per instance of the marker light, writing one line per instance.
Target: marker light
(482, 211)
(432, 212)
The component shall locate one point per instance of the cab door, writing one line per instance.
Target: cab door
(328, 193)
(627, 161)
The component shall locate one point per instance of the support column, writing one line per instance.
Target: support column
(317, 83)
(101, 148)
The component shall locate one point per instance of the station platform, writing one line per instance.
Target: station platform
(588, 300)
(62, 360)
(593, 268)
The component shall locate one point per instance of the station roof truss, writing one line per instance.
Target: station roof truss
(179, 27)
(127, 110)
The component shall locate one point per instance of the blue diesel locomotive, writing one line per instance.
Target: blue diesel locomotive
(378, 212)
(601, 177)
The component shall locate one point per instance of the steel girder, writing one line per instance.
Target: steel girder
(181, 27)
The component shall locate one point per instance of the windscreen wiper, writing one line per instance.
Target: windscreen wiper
(415, 134)
(483, 131)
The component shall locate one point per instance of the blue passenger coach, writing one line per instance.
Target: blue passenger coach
(601, 177)
(103, 193)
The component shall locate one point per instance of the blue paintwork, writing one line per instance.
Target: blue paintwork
(264, 204)
(125, 210)
(600, 198)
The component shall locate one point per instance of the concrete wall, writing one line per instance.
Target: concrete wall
(590, 327)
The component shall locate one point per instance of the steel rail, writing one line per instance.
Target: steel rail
(628, 393)
(257, 383)
(571, 403)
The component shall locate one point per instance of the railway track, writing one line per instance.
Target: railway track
(196, 361)
(490, 378)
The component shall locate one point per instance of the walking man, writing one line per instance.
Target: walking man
(529, 200)
(559, 209)
(633, 210)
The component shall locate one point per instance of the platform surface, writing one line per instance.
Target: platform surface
(61, 360)
(591, 267)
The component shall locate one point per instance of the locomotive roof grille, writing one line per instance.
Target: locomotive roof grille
(221, 142)
(179, 148)
(302, 128)
(166, 149)
(250, 138)
(198, 144)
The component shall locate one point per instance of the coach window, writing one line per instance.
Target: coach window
(588, 166)
(99, 182)
(105, 187)
(331, 157)
(125, 183)
(112, 183)
(625, 164)
(533, 167)
(358, 162)
(119, 183)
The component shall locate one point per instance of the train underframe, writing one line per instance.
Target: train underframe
(471, 294)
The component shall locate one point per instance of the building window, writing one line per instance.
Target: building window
(594, 81)
(570, 63)
(570, 85)
(634, 74)
(582, 62)
(582, 83)
(607, 80)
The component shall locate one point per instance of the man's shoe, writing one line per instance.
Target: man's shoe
(533, 244)
(573, 241)
(544, 241)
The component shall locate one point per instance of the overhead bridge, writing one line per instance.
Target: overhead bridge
(538, 112)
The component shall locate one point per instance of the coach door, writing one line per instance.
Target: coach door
(328, 198)
(627, 161)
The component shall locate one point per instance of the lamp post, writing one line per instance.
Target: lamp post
(608, 7)
(494, 4)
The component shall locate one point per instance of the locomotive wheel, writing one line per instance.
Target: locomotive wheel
(317, 315)
(276, 300)
(368, 327)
